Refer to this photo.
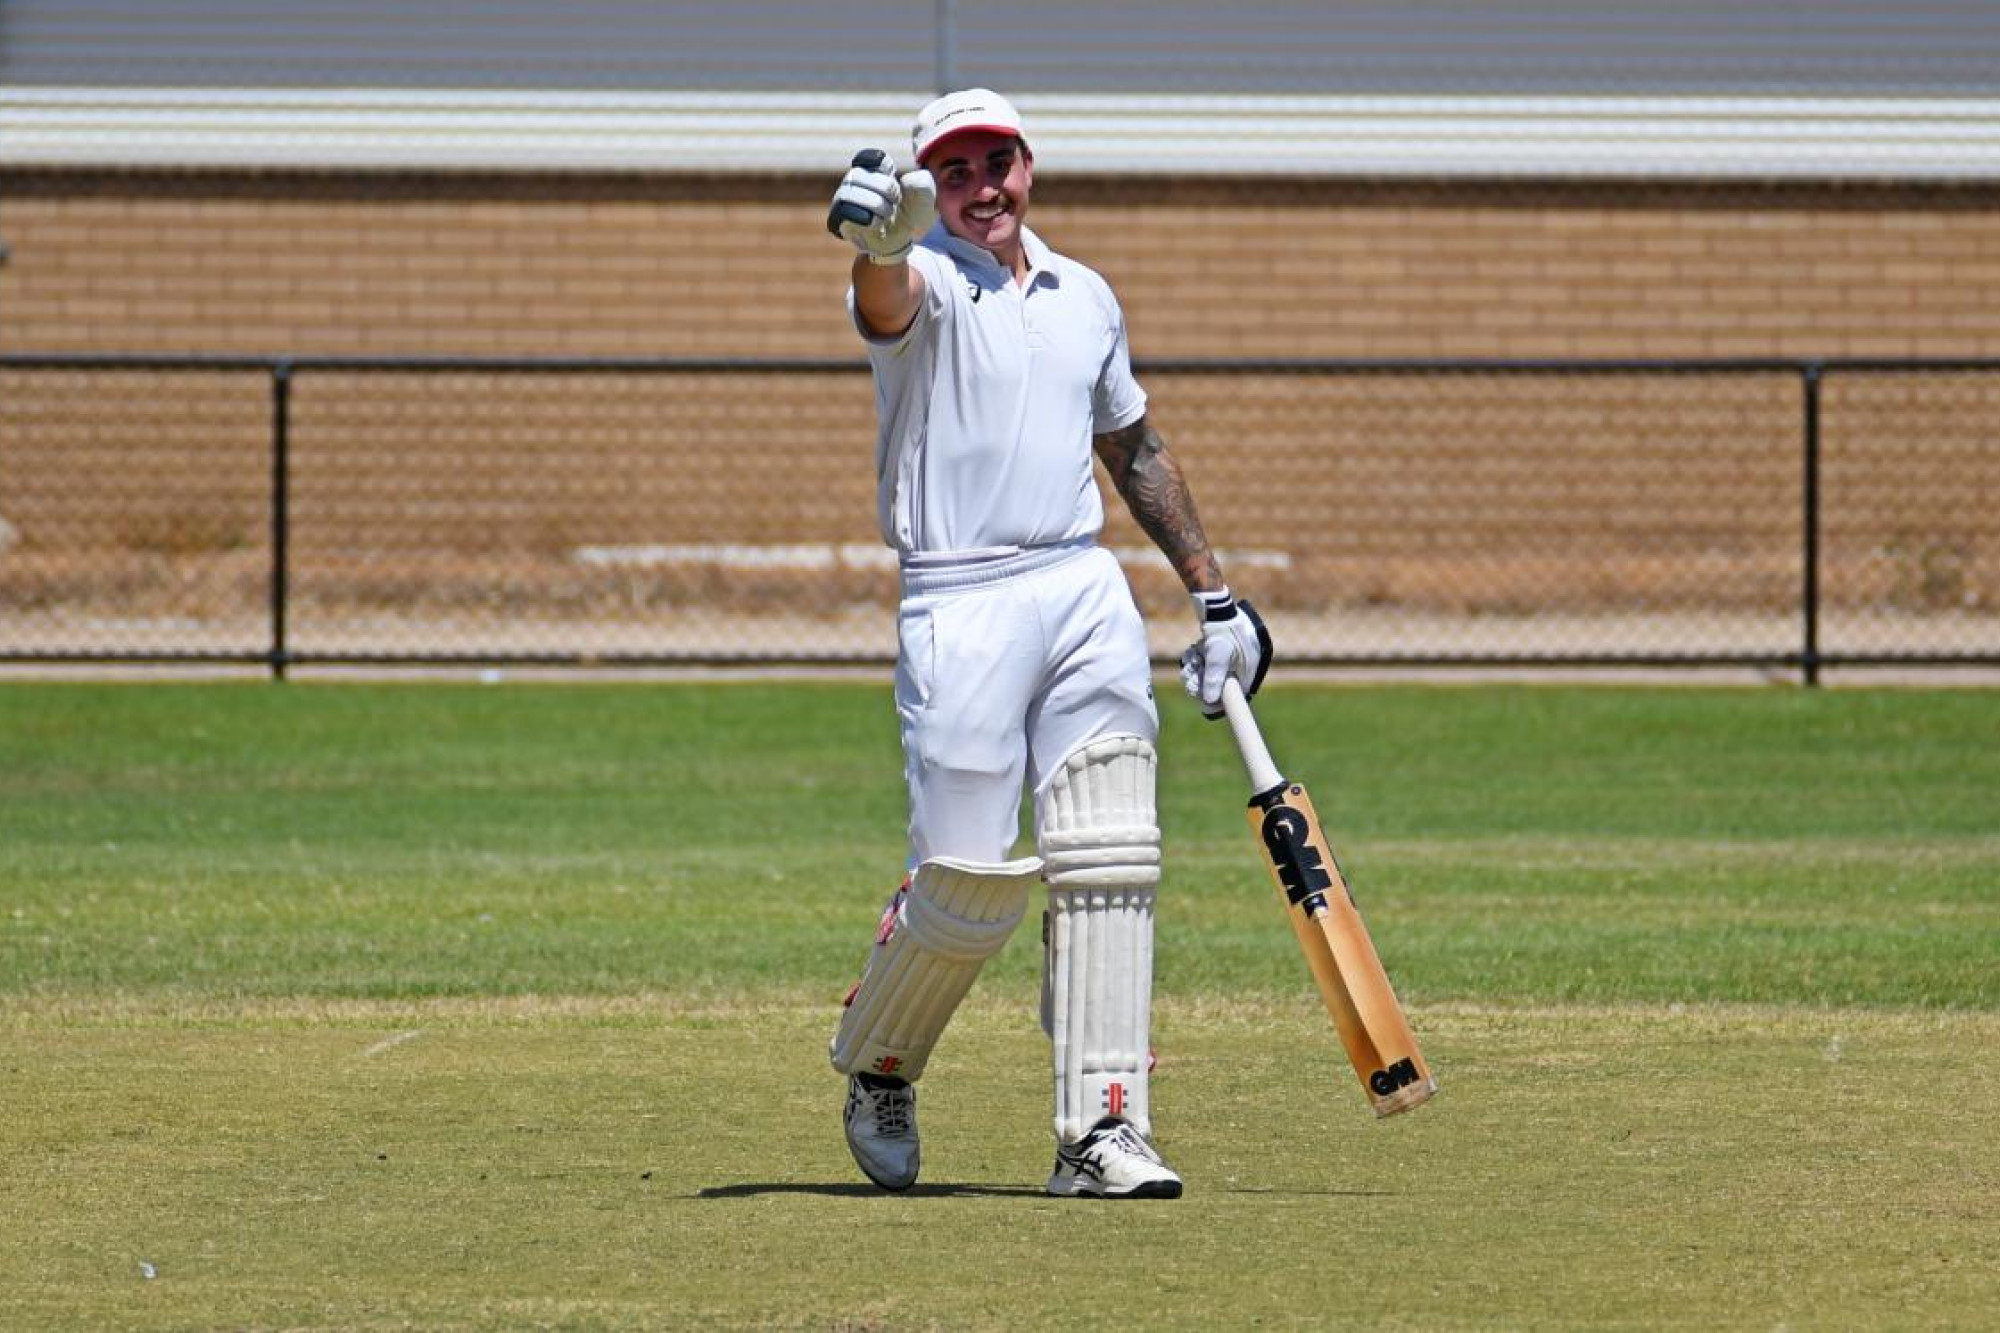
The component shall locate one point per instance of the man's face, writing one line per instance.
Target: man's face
(983, 179)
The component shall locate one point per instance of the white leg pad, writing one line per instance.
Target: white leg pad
(1100, 844)
(955, 916)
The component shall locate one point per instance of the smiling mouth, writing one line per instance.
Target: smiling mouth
(992, 212)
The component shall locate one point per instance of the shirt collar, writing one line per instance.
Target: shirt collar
(974, 257)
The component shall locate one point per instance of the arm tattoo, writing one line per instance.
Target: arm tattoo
(1151, 483)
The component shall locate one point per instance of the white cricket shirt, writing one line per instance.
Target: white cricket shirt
(988, 401)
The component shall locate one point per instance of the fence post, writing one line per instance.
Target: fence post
(945, 57)
(281, 506)
(1809, 654)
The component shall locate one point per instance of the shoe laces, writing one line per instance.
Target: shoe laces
(1097, 1147)
(892, 1109)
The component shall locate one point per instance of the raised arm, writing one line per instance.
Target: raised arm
(887, 296)
(882, 215)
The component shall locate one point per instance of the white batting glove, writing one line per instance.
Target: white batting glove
(881, 213)
(1233, 642)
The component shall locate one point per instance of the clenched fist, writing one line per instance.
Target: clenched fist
(881, 213)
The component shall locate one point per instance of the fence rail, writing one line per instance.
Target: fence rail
(1788, 514)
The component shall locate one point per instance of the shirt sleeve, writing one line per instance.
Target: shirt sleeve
(1117, 400)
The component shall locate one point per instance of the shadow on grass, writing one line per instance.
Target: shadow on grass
(859, 1190)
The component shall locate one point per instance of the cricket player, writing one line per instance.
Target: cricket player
(1001, 370)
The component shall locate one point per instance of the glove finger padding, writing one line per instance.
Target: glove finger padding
(1191, 664)
(866, 201)
(862, 211)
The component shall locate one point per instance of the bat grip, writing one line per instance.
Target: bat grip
(1257, 761)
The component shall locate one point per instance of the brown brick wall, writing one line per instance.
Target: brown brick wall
(132, 496)
(633, 265)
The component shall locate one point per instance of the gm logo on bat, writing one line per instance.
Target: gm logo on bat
(1399, 1075)
(1288, 839)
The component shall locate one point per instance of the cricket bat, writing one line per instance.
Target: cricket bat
(1342, 957)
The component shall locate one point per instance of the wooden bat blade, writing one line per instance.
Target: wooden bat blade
(1339, 951)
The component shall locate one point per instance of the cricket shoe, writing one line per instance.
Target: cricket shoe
(1112, 1161)
(881, 1121)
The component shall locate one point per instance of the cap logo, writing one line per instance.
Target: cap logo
(950, 116)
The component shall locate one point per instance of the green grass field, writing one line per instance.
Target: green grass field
(441, 1006)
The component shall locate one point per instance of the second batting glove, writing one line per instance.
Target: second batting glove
(880, 213)
(1233, 642)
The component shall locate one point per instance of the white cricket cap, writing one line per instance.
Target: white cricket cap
(961, 113)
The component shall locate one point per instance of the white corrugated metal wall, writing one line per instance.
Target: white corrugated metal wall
(1860, 48)
(1840, 88)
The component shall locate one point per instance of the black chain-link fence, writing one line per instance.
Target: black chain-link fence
(1773, 513)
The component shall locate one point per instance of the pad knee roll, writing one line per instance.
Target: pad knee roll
(1100, 845)
(953, 917)
(1096, 822)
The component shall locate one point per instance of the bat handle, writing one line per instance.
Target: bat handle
(1257, 761)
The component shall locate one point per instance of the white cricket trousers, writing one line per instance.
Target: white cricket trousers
(1005, 667)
